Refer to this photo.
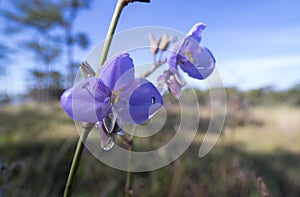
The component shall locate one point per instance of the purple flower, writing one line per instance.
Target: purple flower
(197, 61)
(173, 82)
(116, 91)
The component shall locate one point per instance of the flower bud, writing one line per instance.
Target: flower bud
(86, 70)
(165, 41)
(153, 44)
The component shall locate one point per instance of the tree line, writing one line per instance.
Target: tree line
(47, 31)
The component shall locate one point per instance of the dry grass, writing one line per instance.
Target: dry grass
(280, 130)
(42, 140)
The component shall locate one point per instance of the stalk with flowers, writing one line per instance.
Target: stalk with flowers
(113, 95)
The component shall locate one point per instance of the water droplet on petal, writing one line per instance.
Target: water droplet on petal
(153, 100)
(107, 144)
(98, 124)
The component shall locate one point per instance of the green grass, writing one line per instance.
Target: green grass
(38, 141)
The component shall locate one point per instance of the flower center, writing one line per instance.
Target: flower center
(115, 96)
(190, 57)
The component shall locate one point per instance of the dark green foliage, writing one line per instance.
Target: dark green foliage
(268, 96)
(39, 15)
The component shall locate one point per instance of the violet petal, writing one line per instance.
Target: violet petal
(87, 100)
(114, 69)
(138, 101)
(196, 31)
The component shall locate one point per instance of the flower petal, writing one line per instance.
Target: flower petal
(172, 57)
(196, 31)
(202, 65)
(112, 71)
(161, 81)
(138, 102)
(197, 61)
(175, 87)
(87, 101)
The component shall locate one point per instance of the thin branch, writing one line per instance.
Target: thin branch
(155, 66)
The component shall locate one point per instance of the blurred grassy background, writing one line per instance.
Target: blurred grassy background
(259, 142)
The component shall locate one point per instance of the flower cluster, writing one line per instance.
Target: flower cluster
(115, 93)
(193, 59)
(197, 61)
(116, 96)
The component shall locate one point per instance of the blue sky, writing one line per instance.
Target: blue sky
(255, 42)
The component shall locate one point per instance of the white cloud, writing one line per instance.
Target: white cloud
(263, 63)
(249, 73)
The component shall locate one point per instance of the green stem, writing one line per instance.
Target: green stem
(113, 24)
(129, 141)
(76, 158)
(111, 30)
(128, 174)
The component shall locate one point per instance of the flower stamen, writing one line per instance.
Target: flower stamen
(189, 55)
(85, 86)
(116, 96)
